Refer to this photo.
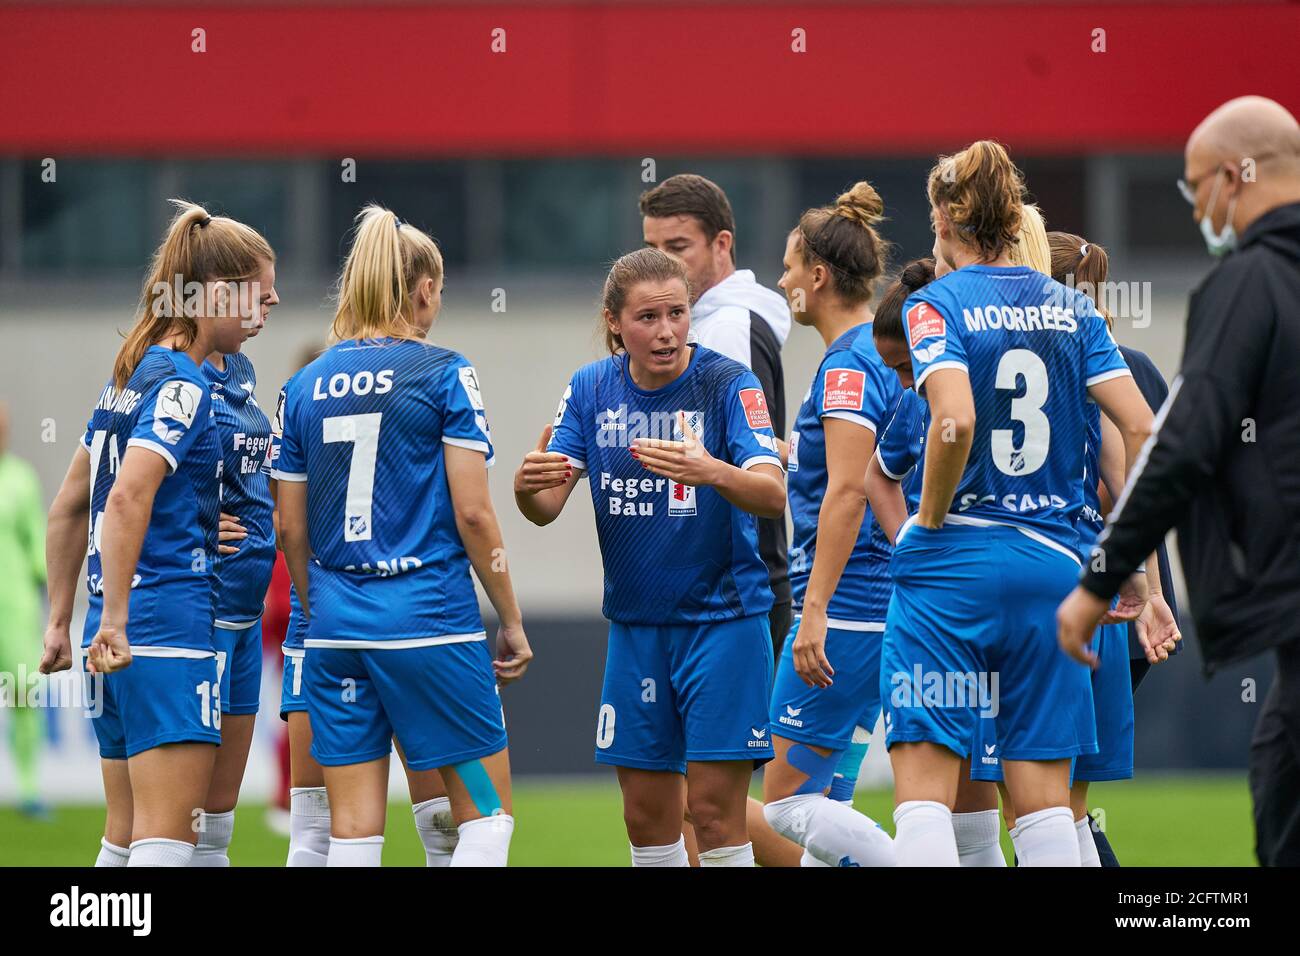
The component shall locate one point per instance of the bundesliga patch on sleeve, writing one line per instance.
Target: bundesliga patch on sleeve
(843, 389)
(755, 404)
(924, 321)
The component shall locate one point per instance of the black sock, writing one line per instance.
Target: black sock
(1104, 851)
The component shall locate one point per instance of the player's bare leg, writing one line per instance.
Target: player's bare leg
(431, 808)
(228, 768)
(168, 786)
(716, 792)
(926, 777)
(309, 807)
(479, 792)
(115, 846)
(358, 799)
(654, 805)
(1044, 834)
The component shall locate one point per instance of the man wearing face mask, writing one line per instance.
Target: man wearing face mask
(1224, 463)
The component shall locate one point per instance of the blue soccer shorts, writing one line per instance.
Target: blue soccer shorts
(971, 632)
(691, 692)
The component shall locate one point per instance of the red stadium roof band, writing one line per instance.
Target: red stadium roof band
(329, 79)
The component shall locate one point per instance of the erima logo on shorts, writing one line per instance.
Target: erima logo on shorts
(788, 718)
(760, 738)
(988, 757)
(178, 401)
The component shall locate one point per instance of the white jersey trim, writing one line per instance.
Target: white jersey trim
(950, 363)
(840, 625)
(1107, 376)
(399, 644)
(187, 653)
(473, 445)
(157, 448)
(862, 420)
(279, 475)
(235, 625)
(293, 651)
(1027, 532)
(885, 468)
(749, 463)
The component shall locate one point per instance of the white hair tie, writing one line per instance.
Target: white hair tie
(1083, 251)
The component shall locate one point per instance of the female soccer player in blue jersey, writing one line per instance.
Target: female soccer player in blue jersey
(309, 808)
(146, 484)
(1005, 361)
(679, 452)
(383, 507)
(246, 543)
(828, 677)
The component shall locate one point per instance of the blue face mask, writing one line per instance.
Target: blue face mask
(1223, 242)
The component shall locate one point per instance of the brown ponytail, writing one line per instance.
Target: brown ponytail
(1081, 265)
(981, 191)
(198, 248)
(843, 237)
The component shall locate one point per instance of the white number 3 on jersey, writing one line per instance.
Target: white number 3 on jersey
(1028, 410)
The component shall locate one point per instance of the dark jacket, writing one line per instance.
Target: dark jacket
(1225, 462)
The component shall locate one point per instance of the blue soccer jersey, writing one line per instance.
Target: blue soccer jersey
(900, 449)
(1031, 347)
(673, 553)
(165, 407)
(854, 385)
(364, 425)
(1090, 522)
(245, 436)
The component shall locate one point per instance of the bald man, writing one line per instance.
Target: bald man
(1224, 464)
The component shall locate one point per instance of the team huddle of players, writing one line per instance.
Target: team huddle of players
(945, 476)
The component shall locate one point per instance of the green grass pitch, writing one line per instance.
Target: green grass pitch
(1154, 821)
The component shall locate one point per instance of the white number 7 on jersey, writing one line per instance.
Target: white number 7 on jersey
(363, 431)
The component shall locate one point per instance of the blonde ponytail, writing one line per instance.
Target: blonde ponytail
(387, 259)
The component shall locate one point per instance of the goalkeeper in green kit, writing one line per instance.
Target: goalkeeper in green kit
(22, 578)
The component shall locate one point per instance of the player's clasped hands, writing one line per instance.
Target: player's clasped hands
(1157, 630)
(543, 469)
(686, 461)
(1133, 594)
